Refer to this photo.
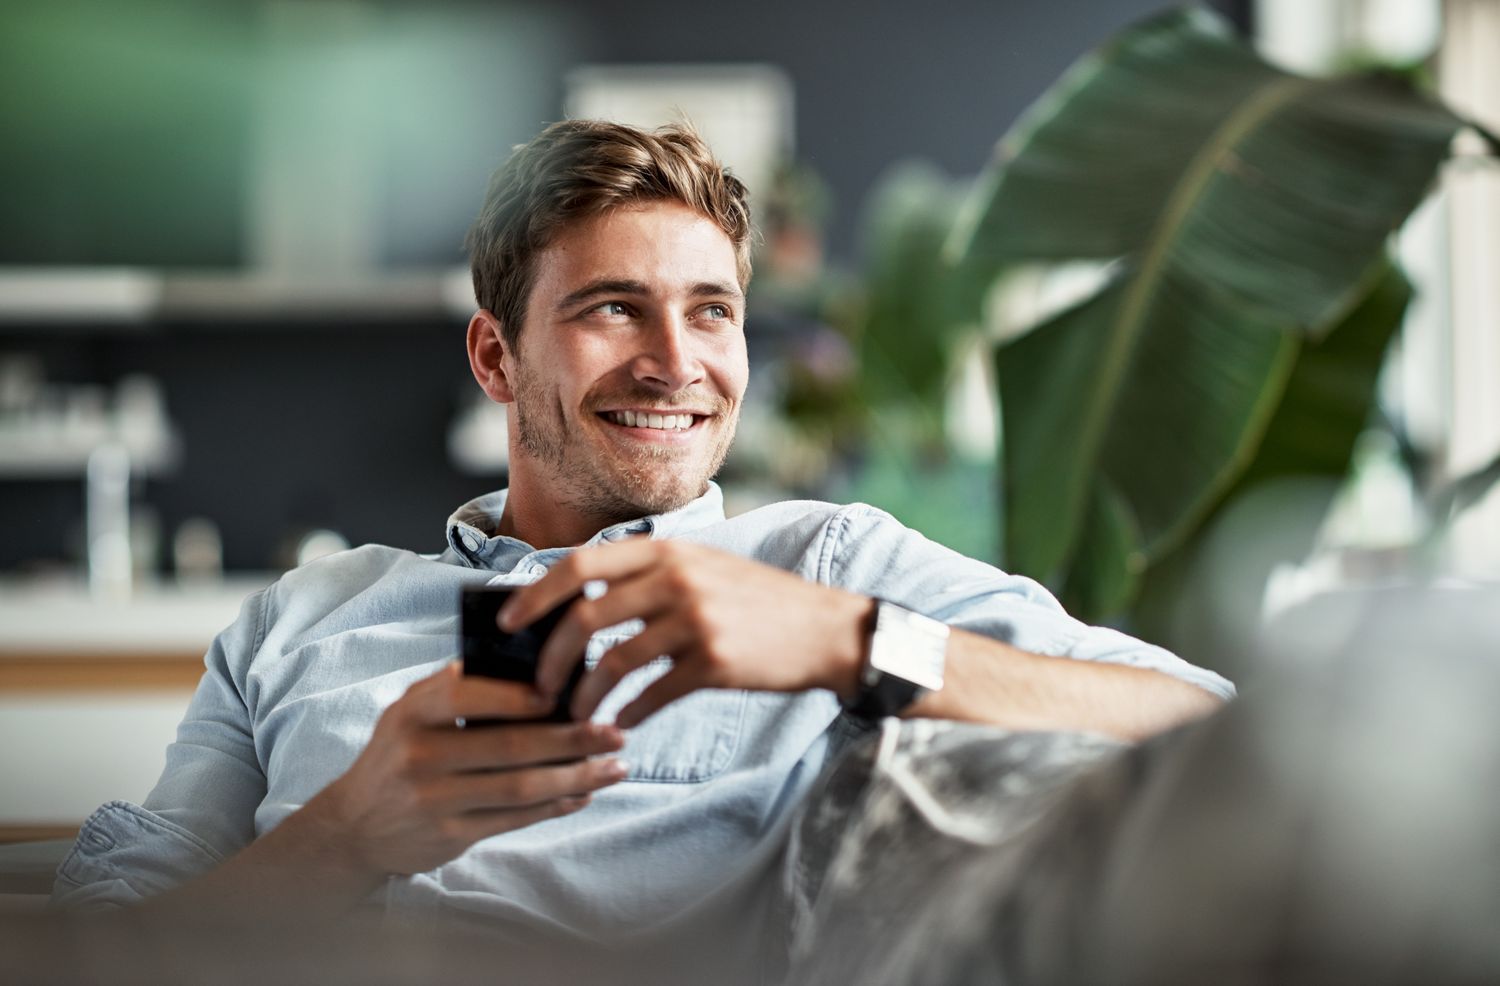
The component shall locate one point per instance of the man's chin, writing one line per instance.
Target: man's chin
(629, 495)
(665, 499)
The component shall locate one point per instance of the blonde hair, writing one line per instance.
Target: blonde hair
(576, 169)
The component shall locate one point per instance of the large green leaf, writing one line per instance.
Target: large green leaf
(1328, 398)
(1246, 208)
(1199, 387)
(1105, 579)
(1324, 409)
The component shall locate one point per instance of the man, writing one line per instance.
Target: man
(323, 763)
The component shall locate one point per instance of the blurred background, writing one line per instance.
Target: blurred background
(233, 297)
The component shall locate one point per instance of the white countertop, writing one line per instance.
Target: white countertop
(56, 616)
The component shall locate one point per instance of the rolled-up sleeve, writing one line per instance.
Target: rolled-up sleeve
(201, 810)
(869, 551)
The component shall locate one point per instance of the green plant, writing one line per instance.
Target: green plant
(914, 307)
(1238, 331)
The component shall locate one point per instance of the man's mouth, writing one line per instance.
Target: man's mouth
(654, 420)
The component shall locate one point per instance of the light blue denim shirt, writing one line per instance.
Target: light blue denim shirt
(293, 688)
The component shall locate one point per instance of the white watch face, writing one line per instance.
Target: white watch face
(910, 646)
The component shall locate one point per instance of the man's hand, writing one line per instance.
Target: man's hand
(727, 622)
(424, 790)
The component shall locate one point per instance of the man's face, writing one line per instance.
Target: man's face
(633, 314)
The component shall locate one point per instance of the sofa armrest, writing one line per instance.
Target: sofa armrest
(29, 867)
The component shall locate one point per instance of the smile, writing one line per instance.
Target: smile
(654, 420)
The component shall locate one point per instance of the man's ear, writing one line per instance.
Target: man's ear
(487, 351)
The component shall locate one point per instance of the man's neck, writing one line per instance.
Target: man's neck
(536, 514)
(553, 528)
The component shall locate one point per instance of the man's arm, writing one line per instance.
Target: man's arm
(733, 623)
(420, 793)
(989, 681)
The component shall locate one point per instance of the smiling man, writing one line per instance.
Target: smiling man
(323, 764)
(627, 378)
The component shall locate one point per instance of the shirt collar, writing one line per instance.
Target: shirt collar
(473, 529)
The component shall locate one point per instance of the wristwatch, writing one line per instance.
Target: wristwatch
(905, 657)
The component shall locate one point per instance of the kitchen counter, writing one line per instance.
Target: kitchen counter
(61, 617)
(91, 691)
(55, 635)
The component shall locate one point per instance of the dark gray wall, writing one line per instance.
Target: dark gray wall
(882, 81)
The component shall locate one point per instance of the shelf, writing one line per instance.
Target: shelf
(46, 619)
(137, 299)
(33, 453)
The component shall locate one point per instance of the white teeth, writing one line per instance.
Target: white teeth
(661, 422)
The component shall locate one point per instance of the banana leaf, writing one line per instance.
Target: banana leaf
(1246, 210)
(1327, 404)
(1328, 399)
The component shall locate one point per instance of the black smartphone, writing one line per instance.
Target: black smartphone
(489, 651)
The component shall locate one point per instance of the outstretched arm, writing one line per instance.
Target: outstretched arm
(989, 681)
(729, 622)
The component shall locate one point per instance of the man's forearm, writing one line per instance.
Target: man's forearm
(988, 681)
(301, 872)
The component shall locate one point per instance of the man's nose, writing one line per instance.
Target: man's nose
(667, 358)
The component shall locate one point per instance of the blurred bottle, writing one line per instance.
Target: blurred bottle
(198, 553)
(108, 519)
(140, 417)
(145, 542)
(320, 543)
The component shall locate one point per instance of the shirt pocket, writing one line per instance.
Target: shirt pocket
(690, 740)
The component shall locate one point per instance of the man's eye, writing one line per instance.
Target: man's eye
(612, 308)
(718, 311)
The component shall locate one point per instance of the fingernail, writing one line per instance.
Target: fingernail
(504, 617)
(617, 769)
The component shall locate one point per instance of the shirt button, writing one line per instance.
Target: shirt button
(539, 570)
(471, 542)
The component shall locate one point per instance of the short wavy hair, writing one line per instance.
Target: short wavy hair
(577, 169)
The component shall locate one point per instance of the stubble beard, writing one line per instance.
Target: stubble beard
(613, 488)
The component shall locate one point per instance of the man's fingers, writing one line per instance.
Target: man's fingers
(523, 744)
(450, 695)
(658, 638)
(644, 597)
(483, 824)
(527, 786)
(566, 578)
(668, 688)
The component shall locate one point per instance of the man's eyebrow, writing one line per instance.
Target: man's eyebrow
(603, 286)
(606, 286)
(715, 289)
